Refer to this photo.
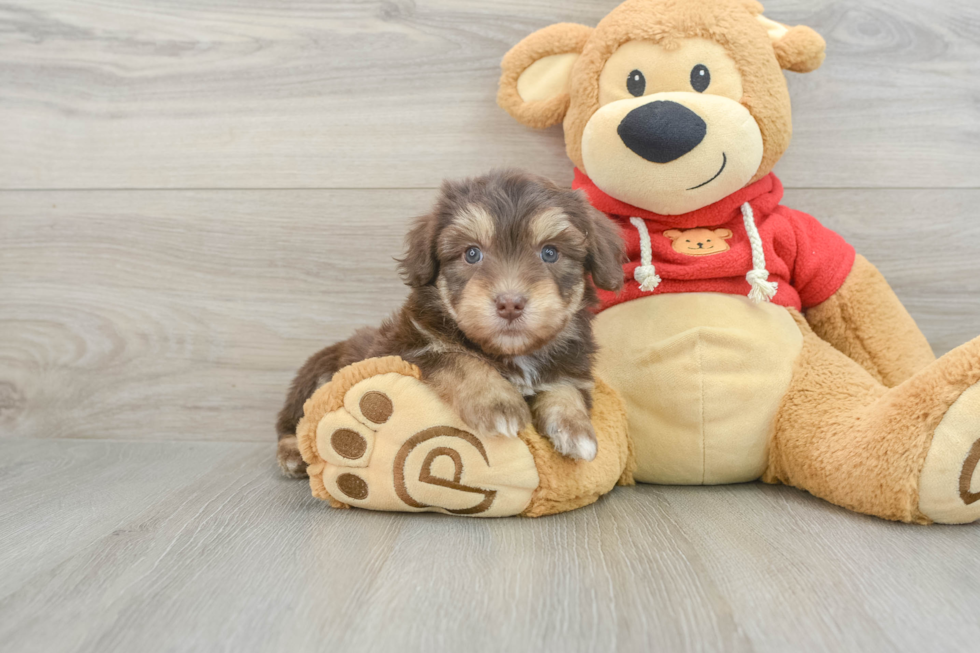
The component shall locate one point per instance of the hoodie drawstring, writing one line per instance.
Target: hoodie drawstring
(645, 274)
(762, 290)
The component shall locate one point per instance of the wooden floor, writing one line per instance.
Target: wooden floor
(194, 196)
(166, 546)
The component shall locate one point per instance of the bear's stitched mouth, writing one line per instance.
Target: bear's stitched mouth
(724, 162)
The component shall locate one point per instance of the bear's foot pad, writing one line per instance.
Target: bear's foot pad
(387, 442)
(949, 485)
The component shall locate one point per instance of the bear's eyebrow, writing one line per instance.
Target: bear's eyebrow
(549, 224)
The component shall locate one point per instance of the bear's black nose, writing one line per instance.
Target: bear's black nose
(662, 131)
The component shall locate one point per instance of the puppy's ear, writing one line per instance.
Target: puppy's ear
(606, 252)
(420, 265)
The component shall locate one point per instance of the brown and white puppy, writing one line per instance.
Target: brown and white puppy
(498, 318)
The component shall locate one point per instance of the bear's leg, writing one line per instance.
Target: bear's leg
(909, 453)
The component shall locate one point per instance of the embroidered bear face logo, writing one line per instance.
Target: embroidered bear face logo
(699, 242)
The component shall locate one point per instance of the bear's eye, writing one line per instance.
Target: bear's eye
(687, 241)
(708, 241)
(636, 83)
(549, 254)
(473, 255)
(700, 78)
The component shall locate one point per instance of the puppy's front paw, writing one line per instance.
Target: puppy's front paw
(483, 399)
(571, 434)
(495, 413)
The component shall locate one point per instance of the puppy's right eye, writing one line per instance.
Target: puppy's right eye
(636, 83)
(473, 255)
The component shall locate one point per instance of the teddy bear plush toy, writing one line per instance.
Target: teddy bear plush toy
(750, 342)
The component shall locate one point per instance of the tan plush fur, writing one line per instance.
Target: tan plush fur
(562, 38)
(731, 23)
(568, 484)
(331, 397)
(843, 436)
(801, 50)
(867, 322)
(565, 484)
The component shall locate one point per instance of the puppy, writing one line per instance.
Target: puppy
(498, 317)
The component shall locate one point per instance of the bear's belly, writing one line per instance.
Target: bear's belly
(702, 375)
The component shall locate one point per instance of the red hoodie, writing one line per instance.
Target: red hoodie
(808, 261)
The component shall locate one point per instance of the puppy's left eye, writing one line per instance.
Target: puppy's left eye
(549, 254)
(473, 255)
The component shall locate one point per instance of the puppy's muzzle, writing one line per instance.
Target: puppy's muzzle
(662, 131)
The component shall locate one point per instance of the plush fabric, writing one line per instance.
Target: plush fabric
(657, 21)
(949, 485)
(866, 322)
(702, 381)
(563, 38)
(732, 23)
(673, 129)
(843, 436)
(800, 50)
(546, 78)
(376, 437)
(330, 398)
(807, 260)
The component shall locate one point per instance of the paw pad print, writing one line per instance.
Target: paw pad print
(970, 466)
(376, 407)
(949, 484)
(394, 445)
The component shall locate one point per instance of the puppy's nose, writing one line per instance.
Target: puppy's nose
(662, 131)
(510, 307)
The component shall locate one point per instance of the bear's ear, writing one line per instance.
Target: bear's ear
(536, 72)
(673, 234)
(724, 234)
(798, 49)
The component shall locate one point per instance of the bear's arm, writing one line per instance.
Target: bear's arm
(866, 321)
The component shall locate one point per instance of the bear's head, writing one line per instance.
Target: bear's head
(668, 105)
(699, 242)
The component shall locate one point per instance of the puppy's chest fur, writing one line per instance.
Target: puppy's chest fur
(542, 372)
(524, 373)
